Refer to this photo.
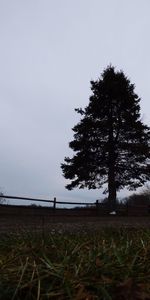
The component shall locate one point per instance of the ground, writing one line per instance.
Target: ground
(9, 223)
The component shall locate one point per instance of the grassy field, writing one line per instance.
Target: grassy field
(105, 264)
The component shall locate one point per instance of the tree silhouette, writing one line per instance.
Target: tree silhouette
(111, 143)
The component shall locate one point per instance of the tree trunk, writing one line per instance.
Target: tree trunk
(111, 187)
(111, 164)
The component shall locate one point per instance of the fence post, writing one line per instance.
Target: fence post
(127, 204)
(97, 207)
(54, 205)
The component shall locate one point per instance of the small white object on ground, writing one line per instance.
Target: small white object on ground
(113, 213)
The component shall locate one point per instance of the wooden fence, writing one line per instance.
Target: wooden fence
(94, 208)
(54, 201)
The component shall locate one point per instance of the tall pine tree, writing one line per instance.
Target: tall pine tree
(111, 143)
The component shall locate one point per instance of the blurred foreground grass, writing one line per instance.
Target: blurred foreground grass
(107, 264)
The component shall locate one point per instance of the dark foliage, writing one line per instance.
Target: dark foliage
(2, 199)
(111, 143)
(142, 198)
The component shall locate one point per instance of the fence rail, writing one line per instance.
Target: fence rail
(54, 201)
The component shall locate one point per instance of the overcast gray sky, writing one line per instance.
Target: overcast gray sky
(49, 52)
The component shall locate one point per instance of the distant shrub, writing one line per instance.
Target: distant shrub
(143, 198)
(33, 205)
(105, 201)
(2, 200)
